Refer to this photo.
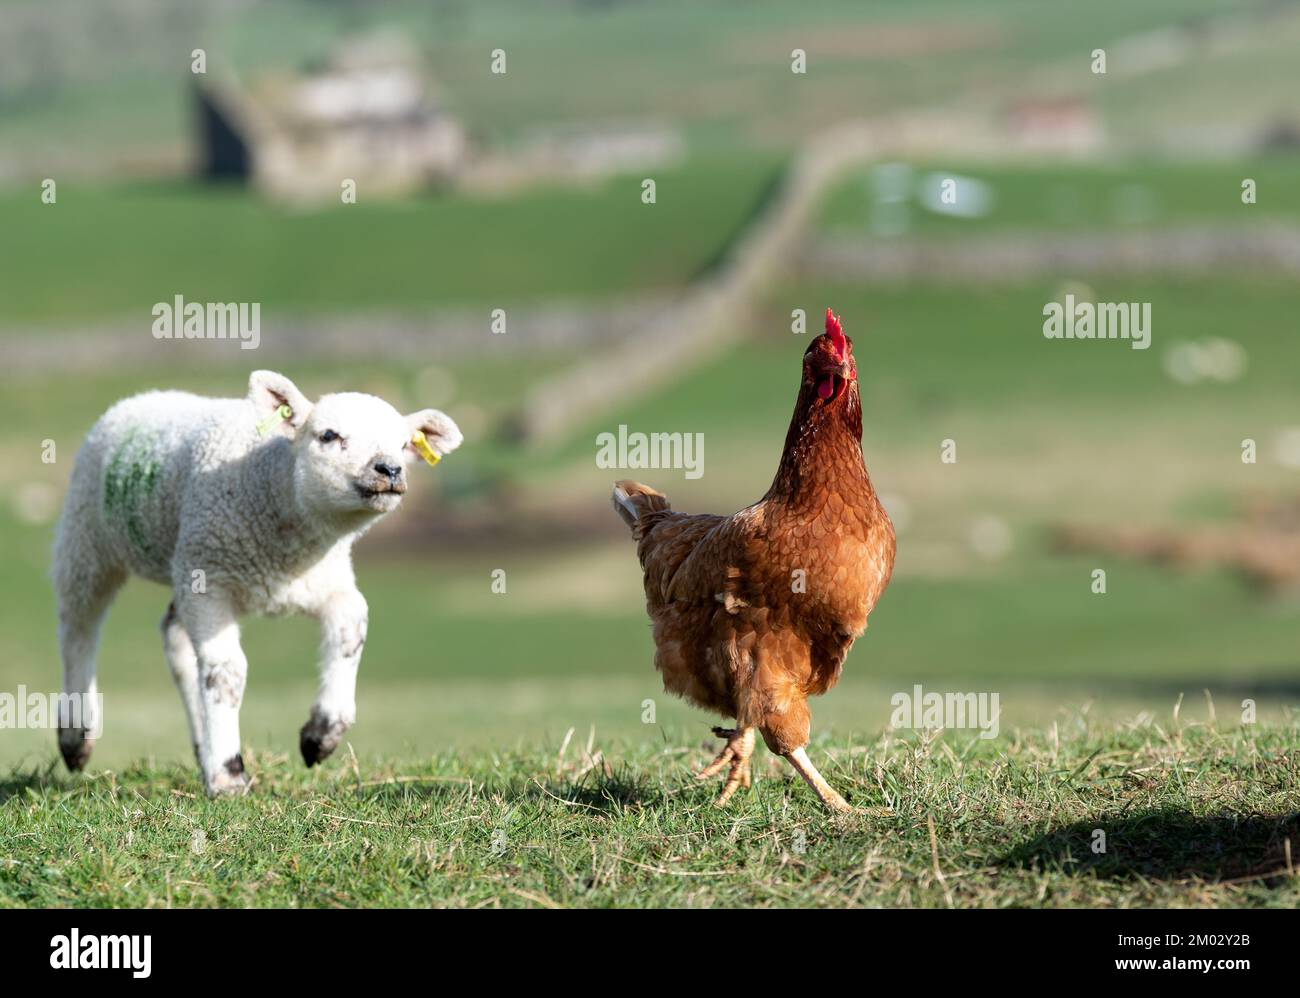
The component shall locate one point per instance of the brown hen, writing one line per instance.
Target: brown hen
(755, 612)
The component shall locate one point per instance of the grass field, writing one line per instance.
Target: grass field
(1052, 198)
(1191, 816)
(210, 244)
(578, 244)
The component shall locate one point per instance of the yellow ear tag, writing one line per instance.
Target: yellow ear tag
(424, 450)
(270, 422)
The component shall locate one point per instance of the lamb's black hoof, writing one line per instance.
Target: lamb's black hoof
(309, 745)
(319, 738)
(75, 748)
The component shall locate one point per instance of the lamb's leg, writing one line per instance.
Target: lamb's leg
(343, 618)
(222, 673)
(85, 589)
(184, 665)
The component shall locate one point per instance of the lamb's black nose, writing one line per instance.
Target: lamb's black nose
(389, 471)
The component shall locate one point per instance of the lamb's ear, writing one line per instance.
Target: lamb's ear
(268, 391)
(441, 432)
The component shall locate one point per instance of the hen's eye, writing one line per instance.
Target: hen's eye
(328, 437)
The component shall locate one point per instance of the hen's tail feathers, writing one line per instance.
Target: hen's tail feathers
(632, 501)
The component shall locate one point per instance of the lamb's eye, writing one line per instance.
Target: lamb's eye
(328, 437)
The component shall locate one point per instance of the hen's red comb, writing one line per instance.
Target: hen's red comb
(836, 332)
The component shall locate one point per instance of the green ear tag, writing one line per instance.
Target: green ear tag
(276, 418)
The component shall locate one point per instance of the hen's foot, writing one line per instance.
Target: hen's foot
(804, 767)
(739, 747)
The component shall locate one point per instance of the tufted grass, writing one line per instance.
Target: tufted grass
(1192, 816)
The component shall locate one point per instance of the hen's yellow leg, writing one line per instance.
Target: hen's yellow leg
(739, 747)
(804, 767)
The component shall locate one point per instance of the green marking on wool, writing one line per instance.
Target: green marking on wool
(133, 475)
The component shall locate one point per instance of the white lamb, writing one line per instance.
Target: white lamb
(241, 506)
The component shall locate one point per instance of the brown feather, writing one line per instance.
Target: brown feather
(732, 632)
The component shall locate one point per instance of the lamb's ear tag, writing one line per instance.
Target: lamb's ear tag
(281, 413)
(423, 449)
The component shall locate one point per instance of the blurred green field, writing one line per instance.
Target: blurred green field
(1044, 199)
(722, 70)
(1238, 87)
(133, 246)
